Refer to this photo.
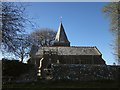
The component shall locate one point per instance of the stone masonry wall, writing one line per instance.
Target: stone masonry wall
(15, 71)
(85, 72)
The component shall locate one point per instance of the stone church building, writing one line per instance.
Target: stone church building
(62, 53)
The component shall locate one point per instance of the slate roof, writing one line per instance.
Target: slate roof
(70, 50)
(61, 35)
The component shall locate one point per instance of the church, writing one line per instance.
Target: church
(62, 53)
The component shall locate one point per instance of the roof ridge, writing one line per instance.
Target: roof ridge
(74, 46)
(85, 46)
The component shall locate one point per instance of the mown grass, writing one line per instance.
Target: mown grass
(41, 85)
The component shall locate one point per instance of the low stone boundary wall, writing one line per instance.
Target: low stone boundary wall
(15, 71)
(85, 72)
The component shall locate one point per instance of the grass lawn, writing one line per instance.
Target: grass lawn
(41, 85)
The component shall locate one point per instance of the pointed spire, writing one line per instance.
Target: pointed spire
(61, 37)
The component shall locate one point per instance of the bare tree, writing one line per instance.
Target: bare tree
(13, 22)
(43, 37)
(23, 46)
(112, 11)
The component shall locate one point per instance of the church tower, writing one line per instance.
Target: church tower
(61, 37)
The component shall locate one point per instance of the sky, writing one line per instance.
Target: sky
(84, 23)
(60, 0)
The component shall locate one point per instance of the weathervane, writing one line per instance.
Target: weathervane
(61, 19)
